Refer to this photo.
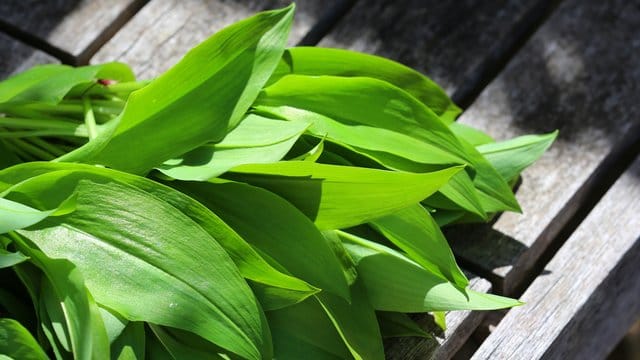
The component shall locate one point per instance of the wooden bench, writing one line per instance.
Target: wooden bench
(516, 67)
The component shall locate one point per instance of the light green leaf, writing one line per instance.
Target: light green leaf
(458, 193)
(276, 228)
(196, 101)
(342, 196)
(256, 140)
(249, 262)
(69, 303)
(8, 259)
(50, 83)
(322, 61)
(16, 342)
(471, 135)
(396, 283)
(111, 236)
(414, 231)
(512, 156)
(14, 215)
(374, 106)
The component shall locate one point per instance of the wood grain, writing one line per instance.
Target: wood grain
(20, 56)
(75, 27)
(584, 83)
(588, 297)
(447, 40)
(163, 31)
(460, 325)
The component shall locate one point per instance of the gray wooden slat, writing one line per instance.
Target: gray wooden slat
(588, 297)
(74, 27)
(446, 40)
(163, 31)
(584, 83)
(19, 57)
(460, 325)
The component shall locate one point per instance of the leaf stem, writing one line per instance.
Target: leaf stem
(89, 118)
(33, 150)
(26, 123)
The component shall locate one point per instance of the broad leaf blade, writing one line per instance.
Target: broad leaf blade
(195, 102)
(512, 156)
(275, 227)
(111, 236)
(395, 283)
(342, 196)
(415, 232)
(256, 140)
(18, 343)
(338, 62)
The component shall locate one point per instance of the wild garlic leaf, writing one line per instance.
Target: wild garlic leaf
(50, 83)
(396, 283)
(512, 156)
(256, 140)
(415, 232)
(356, 322)
(197, 101)
(342, 196)
(276, 228)
(14, 215)
(249, 262)
(16, 342)
(317, 61)
(373, 105)
(8, 259)
(77, 314)
(111, 235)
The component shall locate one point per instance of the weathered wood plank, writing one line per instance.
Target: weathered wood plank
(163, 31)
(588, 297)
(75, 28)
(19, 57)
(584, 83)
(449, 41)
(460, 325)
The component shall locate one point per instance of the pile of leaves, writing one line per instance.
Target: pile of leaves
(252, 202)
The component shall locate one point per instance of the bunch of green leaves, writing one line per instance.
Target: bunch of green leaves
(251, 202)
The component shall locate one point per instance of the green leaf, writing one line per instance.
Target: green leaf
(471, 135)
(276, 228)
(69, 303)
(397, 324)
(16, 342)
(249, 262)
(256, 140)
(110, 235)
(342, 196)
(396, 283)
(322, 61)
(130, 345)
(512, 156)
(376, 111)
(196, 101)
(356, 322)
(8, 259)
(414, 231)
(458, 193)
(14, 215)
(440, 318)
(50, 83)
